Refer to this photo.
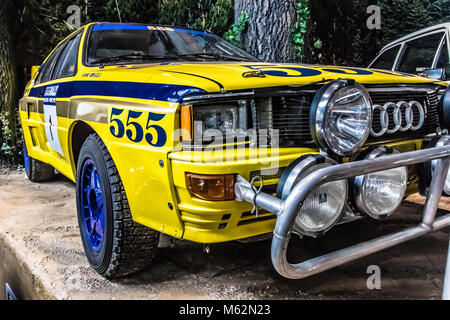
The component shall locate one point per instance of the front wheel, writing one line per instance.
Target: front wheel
(114, 244)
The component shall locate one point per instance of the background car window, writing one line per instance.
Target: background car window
(46, 71)
(67, 62)
(443, 60)
(387, 59)
(420, 53)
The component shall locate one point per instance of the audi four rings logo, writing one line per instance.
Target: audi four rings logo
(410, 122)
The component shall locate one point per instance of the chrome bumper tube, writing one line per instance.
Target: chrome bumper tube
(286, 210)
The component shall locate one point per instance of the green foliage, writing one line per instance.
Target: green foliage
(337, 33)
(140, 11)
(233, 34)
(39, 26)
(300, 28)
(10, 138)
(400, 17)
(212, 15)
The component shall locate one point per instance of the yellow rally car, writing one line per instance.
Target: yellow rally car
(176, 131)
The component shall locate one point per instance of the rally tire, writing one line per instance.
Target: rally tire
(36, 171)
(127, 247)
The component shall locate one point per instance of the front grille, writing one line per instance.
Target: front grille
(249, 218)
(429, 101)
(287, 114)
(290, 115)
(267, 174)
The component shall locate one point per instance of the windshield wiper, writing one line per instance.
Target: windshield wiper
(139, 56)
(134, 56)
(211, 56)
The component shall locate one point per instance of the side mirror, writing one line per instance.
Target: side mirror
(34, 70)
(435, 74)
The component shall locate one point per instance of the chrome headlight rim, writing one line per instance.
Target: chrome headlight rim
(319, 107)
(359, 181)
(288, 181)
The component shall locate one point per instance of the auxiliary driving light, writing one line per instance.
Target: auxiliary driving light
(379, 194)
(323, 206)
(430, 167)
(341, 117)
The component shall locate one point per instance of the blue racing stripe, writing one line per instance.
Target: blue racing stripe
(136, 90)
(119, 27)
(141, 27)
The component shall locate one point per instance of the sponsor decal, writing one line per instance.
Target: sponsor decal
(133, 129)
(51, 118)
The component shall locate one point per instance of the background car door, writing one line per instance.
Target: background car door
(420, 53)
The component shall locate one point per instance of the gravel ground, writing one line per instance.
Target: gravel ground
(39, 233)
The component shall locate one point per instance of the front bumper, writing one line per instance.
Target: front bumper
(219, 221)
(286, 210)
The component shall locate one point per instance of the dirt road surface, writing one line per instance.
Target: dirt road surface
(39, 237)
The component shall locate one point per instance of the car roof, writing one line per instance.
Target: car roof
(147, 24)
(416, 33)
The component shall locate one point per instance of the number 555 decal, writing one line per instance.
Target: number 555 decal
(133, 129)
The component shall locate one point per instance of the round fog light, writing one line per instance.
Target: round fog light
(323, 206)
(379, 194)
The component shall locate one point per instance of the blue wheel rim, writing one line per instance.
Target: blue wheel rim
(92, 206)
(26, 158)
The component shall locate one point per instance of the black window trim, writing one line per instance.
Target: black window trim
(59, 57)
(85, 47)
(62, 47)
(44, 64)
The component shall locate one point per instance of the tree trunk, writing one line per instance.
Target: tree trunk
(268, 34)
(8, 77)
(7, 64)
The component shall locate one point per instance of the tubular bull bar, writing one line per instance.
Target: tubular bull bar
(286, 210)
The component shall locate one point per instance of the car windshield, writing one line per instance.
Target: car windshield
(122, 43)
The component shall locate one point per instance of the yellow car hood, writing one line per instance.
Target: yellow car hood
(212, 77)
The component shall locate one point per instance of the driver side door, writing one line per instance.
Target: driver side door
(51, 93)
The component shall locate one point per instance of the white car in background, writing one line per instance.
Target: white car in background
(424, 52)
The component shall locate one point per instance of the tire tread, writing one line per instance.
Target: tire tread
(134, 245)
(40, 171)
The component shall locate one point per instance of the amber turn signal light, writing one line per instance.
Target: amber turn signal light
(186, 123)
(211, 187)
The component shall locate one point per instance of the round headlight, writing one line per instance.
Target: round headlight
(324, 205)
(341, 117)
(430, 166)
(379, 194)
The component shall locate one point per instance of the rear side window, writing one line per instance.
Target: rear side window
(46, 72)
(420, 53)
(386, 59)
(67, 63)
